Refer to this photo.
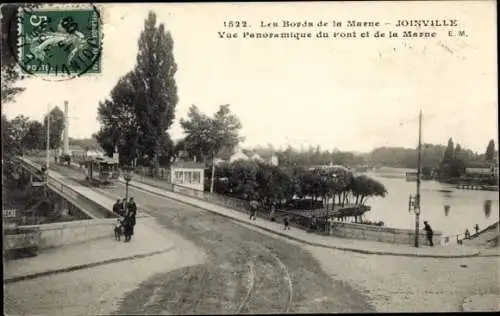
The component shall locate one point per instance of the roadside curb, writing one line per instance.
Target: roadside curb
(14, 279)
(481, 303)
(355, 250)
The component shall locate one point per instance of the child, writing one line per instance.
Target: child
(118, 229)
(286, 221)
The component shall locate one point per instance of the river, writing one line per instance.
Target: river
(467, 207)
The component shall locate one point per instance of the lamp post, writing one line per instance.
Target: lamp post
(127, 176)
(213, 173)
(414, 202)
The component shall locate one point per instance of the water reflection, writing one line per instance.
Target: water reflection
(446, 210)
(446, 193)
(487, 208)
(470, 207)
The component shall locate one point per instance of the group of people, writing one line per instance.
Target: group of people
(254, 205)
(467, 233)
(125, 224)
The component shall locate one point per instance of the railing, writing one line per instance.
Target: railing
(163, 173)
(76, 198)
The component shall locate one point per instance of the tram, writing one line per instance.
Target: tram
(99, 169)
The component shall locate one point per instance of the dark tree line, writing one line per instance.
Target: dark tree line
(254, 180)
(454, 162)
(21, 133)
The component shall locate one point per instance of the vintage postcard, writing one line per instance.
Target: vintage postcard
(250, 158)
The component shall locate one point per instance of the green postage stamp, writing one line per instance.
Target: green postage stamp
(61, 42)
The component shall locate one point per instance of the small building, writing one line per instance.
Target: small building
(274, 160)
(482, 168)
(188, 174)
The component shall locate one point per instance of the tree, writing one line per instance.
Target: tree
(34, 138)
(17, 129)
(490, 151)
(7, 141)
(198, 129)
(56, 119)
(449, 152)
(155, 86)
(206, 136)
(120, 126)
(141, 108)
(224, 130)
(458, 151)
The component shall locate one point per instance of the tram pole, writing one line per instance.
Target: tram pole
(417, 198)
(47, 161)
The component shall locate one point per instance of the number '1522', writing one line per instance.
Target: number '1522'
(235, 24)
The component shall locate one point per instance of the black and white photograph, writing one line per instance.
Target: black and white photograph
(213, 158)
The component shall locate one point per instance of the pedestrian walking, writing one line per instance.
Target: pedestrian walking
(286, 222)
(132, 213)
(429, 233)
(253, 209)
(272, 214)
(314, 223)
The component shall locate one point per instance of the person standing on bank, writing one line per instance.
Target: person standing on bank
(132, 213)
(253, 209)
(428, 233)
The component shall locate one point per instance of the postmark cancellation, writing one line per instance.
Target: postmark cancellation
(59, 41)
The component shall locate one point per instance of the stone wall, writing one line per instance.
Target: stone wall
(381, 234)
(60, 234)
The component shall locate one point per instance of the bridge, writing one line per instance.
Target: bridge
(91, 213)
(79, 196)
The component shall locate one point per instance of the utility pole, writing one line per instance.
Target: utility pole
(213, 173)
(47, 162)
(417, 200)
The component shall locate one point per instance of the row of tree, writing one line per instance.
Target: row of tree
(432, 156)
(254, 180)
(453, 164)
(21, 133)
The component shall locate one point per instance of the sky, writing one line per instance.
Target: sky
(346, 93)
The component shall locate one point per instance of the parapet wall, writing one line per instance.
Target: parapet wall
(61, 234)
(381, 234)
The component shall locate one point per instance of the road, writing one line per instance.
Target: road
(245, 272)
